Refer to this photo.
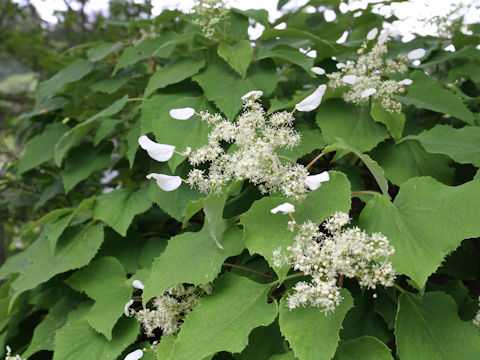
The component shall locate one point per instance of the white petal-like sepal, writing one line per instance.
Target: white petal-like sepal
(255, 93)
(313, 101)
(416, 54)
(285, 208)
(350, 79)
(135, 355)
(159, 152)
(313, 182)
(166, 182)
(372, 34)
(318, 70)
(182, 114)
(405, 82)
(366, 93)
(340, 65)
(383, 36)
(137, 284)
(127, 305)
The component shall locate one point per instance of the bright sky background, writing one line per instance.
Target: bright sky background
(410, 12)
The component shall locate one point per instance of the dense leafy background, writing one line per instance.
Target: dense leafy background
(80, 221)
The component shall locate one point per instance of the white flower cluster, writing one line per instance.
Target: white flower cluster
(366, 76)
(213, 14)
(171, 308)
(349, 252)
(476, 319)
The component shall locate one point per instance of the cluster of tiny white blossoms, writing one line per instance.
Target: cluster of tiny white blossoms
(366, 77)
(9, 355)
(212, 15)
(251, 155)
(476, 319)
(348, 252)
(170, 308)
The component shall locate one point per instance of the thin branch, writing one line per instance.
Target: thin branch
(247, 269)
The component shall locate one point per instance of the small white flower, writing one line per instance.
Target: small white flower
(405, 82)
(9, 349)
(313, 182)
(137, 284)
(255, 93)
(350, 79)
(383, 37)
(416, 54)
(284, 208)
(166, 182)
(366, 93)
(372, 34)
(182, 114)
(318, 70)
(159, 152)
(313, 101)
(340, 65)
(135, 355)
(127, 305)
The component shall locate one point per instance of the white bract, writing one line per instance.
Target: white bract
(350, 79)
(135, 355)
(182, 113)
(255, 93)
(318, 70)
(159, 152)
(340, 65)
(126, 310)
(367, 92)
(313, 182)
(137, 284)
(284, 208)
(406, 82)
(312, 101)
(372, 34)
(383, 37)
(166, 182)
(416, 54)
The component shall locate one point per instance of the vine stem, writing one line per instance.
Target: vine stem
(354, 193)
(293, 276)
(247, 269)
(314, 161)
(135, 99)
(399, 288)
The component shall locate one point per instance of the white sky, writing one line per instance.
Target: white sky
(408, 12)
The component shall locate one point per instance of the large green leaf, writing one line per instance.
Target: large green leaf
(290, 56)
(363, 348)
(462, 145)
(173, 72)
(181, 263)
(265, 232)
(228, 92)
(75, 248)
(73, 72)
(119, 207)
(428, 327)
(312, 334)
(427, 93)
(409, 159)
(41, 147)
(393, 121)
(99, 52)
(237, 56)
(427, 221)
(104, 281)
(223, 320)
(350, 123)
(263, 342)
(78, 341)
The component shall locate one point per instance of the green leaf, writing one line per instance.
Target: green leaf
(173, 72)
(427, 93)
(103, 281)
(118, 207)
(213, 207)
(261, 226)
(132, 141)
(40, 148)
(165, 347)
(263, 342)
(259, 15)
(428, 327)
(310, 333)
(76, 247)
(408, 159)
(180, 263)
(111, 84)
(371, 164)
(161, 46)
(290, 56)
(312, 139)
(228, 92)
(237, 56)
(462, 145)
(426, 221)
(363, 348)
(99, 52)
(73, 72)
(106, 128)
(78, 341)
(351, 123)
(83, 161)
(223, 320)
(286, 356)
(393, 121)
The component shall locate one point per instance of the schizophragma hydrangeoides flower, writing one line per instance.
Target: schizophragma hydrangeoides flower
(325, 256)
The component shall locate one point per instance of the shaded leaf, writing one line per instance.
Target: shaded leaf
(237, 56)
(393, 121)
(363, 348)
(99, 52)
